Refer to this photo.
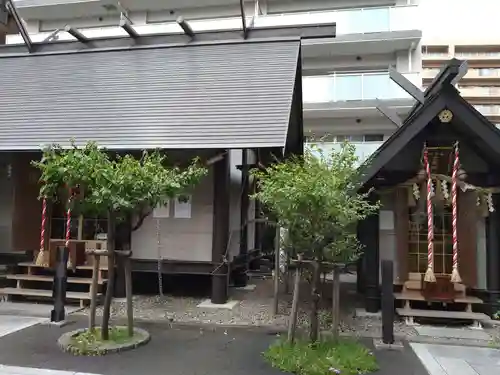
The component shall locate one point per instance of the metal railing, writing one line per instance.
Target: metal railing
(339, 87)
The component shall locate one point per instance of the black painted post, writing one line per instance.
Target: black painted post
(59, 289)
(220, 238)
(493, 256)
(387, 302)
(368, 235)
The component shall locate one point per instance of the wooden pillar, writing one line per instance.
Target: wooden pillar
(467, 237)
(368, 235)
(220, 236)
(401, 227)
(240, 278)
(493, 256)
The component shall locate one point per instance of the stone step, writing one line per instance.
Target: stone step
(43, 293)
(412, 295)
(82, 267)
(49, 279)
(441, 314)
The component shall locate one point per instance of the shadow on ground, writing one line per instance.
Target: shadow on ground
(172, 351)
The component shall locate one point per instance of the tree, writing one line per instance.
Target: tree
(316, 198)
(114, 185)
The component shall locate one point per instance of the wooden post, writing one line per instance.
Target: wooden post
(387, 302)
(80, 227)
(128, 293)
(93, 291)
(292, 326)
(59, 289)
(111, 276)
(336, 303)
(276, 270)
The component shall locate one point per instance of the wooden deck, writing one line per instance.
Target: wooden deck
(35, 282)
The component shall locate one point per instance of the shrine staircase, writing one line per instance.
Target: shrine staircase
(29, 281)
(450, 304)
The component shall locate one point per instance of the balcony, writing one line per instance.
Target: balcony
(363, 150)
(352, 21)
(354, 87)
(484, 74)
(479, 92)
(488, 110)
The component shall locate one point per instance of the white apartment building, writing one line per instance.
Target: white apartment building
(343, 76)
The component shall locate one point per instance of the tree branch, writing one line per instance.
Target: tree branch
(143, 216)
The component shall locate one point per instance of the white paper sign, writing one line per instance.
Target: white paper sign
(182, 209)
(162, 211)
(386, 220)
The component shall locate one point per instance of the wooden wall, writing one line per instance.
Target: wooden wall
(26, 215)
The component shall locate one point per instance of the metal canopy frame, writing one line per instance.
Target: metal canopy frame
(11, 9)
(135, 40)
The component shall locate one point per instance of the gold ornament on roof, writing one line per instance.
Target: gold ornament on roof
(445, 116)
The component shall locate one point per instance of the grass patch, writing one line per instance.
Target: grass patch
(91, 342)
(347, 357)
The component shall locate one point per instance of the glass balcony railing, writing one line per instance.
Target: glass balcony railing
(359, 86)
(351, 21)
(363, 150)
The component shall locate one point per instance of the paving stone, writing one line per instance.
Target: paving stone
(486, 369)
(10, 324)
(455, 366)
(229, 305)
(453, 333)
(41, 310)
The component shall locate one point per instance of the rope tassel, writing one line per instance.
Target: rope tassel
(429, 274)
(41, 259)
(455, 276)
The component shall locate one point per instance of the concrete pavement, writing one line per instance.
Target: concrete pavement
(457, 360)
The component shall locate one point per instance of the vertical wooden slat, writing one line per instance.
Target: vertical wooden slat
(467, 237)
(401, 227)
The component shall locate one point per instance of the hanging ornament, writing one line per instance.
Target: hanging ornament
(478, 201)
(416, 191)
(489, 201)
(433, 190)
(444, 189)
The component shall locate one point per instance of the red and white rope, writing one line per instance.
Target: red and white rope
(68, 221)
(430, 221)
(42, 229)
(455, 277)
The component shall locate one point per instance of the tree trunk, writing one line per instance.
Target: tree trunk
(93, 292)
(276, 271)
(336, 304)
(128, 292)
(292, 327)
(315, 294)
(111, 276)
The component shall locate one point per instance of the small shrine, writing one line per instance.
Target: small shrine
(438, 180)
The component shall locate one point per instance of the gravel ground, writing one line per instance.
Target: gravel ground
(255, 309)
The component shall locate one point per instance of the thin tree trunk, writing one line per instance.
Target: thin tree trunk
(111, 276)
(315, 294)
(292, 327)
(276, 270)
(336, 303)
(93, 292)
(128, 291)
